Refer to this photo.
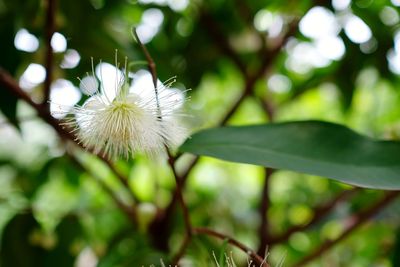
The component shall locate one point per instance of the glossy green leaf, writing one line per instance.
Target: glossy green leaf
(312, 147)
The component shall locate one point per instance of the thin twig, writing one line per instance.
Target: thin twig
(182, 181)
(354, 222)
(320, 212)
(257, 258)
(268, 107)
(49, 60)
(149, 59)
(251, 79)
(164, 216)
(263, 230)
(185, 210)
(8, 81)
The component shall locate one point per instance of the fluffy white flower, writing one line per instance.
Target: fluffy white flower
(124, 116)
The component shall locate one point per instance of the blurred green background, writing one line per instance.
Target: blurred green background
(340, 64)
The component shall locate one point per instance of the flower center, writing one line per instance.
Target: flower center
(123, 107)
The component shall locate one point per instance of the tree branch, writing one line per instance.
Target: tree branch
(178, 194)
(185, 210)
(160, 225)
(49, 62)
(355, 221)
(182, 180)
(149, 59)
(251, 79)
(257, 258)
(263, 211)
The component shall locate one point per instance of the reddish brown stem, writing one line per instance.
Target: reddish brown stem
(182, 180)
(251, 79)
(257, 258)
(263, 230)
(49, 60)
(149, 59)
(161, 225)
(185, 210)
(354, 222)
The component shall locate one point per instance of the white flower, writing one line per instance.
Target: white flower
(121, 119)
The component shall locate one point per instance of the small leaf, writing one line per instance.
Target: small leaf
(312, 147)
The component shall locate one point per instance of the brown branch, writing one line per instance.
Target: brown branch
(263, 211)
(49, 62)
(182, 180)
(8, 81)
(185, 210)
(149, 59)
(160, 226)
(320, 212)
(128, 210)
(263, 230)
(268, 107)
(266, 63)
(355, 221)
(257, 258)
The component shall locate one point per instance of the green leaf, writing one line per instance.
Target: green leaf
(313, 147)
